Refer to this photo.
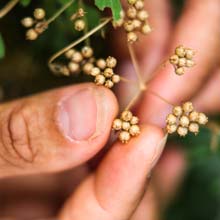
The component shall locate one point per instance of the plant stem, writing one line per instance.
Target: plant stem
(8, 7)
(133, 100)
(94, 30)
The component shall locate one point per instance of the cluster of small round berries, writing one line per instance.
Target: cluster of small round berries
(127, 125)
(79, 23)
(182, 58)
(104, 73)
(184, 118)
(35, 25)
(78, 60)
(134, 20)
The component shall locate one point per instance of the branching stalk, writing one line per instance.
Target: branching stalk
(8, 7)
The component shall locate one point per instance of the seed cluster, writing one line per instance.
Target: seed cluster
(134, 20)
(104, 73)
(35, 25)
(184, 118)
(182, 58)
(127, 125)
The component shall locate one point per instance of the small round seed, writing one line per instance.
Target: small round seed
(108, 73)
(182, 131)
(182, 62)
(171, 119)
(139, 4)
(134, 120)
(202, 119)
(174, 59)
(146, 29)
(31, 34)
(27, 22)
(171, 128)
(109, 84)
(134, 130)
(95, 71)
(87, 68)
(111, 62)
(180, 71)
(116, 78)
(39, 13)
(101, 63)
(77, 57)
(126, 115)
(194, 128)
(124, 136)
(189, 54)
(193, 116)
(69, 53)
(184, 121)
(74, 67)
(100, 79)
(117, 124)
(87, 52)
(177, 111)
(132, 37)
(79, 25)
(142, 15)
(190, 63)
(126, 125)
(188, 107)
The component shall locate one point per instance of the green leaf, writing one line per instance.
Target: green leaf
(2, 48)
(25, 2)
(115, 6)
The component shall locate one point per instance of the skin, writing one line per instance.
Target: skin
(34, 125)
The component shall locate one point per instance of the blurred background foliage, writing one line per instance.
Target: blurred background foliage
(24, 71)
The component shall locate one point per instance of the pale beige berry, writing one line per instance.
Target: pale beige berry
(100, 79)
(134, 120)
(27, 22)
(136, 23)
(129, 26)
(39, 13)
(101, 63)
(139, 4)
(120, 21)
(174, 59)
(182, 62)
(180, 71)
(126, 125)
(184, 121)
(202, 119)
(73, 67)
(182, 131)
(116, 78)
(131, 2)
(87, 68)
(117, 124)
(87, 52)
(108, 72)
(190, 63)
(65, 71)
(77, 57)
(80, 12)
(142, 15)
(31, 34)
(131, 12)
(132, 37)
(188, 107)
(171, 128)
(124, 136)
(146, 29)
(134, 130)
(180, 51)
(111, 62)
(69, 53)
(189, 53)
(194, 128)
(79, 25)
(109, 84)
(193, 116)
(126, 115)
(95, 71)
(171, 119)
(177, 111)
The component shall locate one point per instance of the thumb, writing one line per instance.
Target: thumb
(54, 130)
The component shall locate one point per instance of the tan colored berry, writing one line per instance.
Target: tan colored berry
(184, 121)
(177, 111)
(174, 59)
(111, 62)
(101, 63)
(202, 119)
(142, 15)
(118, 23)
(69, 53)
(193, 116)
(134, 130)
(180, 71)
(131, 2)
(189, 53)
(132, 37)
(188, 107)
(182, 131)
(126, 125)
(87, 68)
(108, 72)
(81, 12)
(171, 128)
(100, 79)
(116, 78)
(124, 136)
(73, 67)
(171, 119)
(134, 120)
(109, 84)
(31, 34)
(182, 62)
(27, 22)
(131, 12)
(95, 71)
(77, 57)
(146, 29)
(194, 128)
(79, 25)
(87, 52)
(117, 124)
(65, 71)
(139, 4)
(129, 26)
(136, 23)
(126, 115)
(190, 63)
(180, 51)
(39, 13)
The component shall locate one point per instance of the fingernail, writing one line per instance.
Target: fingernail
(79, 115)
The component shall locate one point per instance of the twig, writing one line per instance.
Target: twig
(8, 7)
